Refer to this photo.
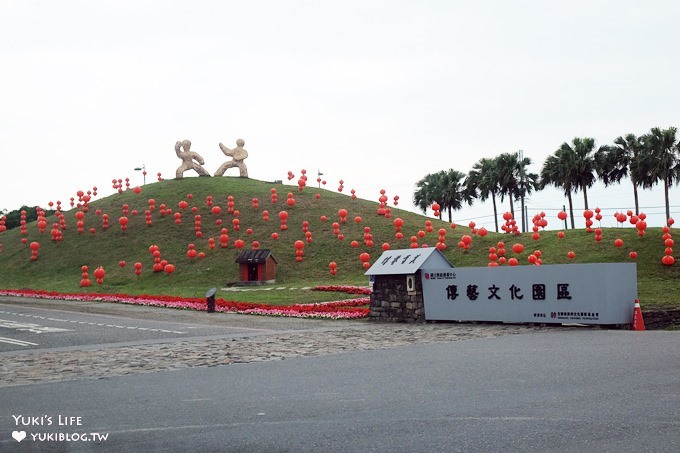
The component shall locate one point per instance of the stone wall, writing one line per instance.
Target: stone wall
(391, 302)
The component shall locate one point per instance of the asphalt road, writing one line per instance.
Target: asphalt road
(555, 390)
(49, 324)
(37, 328)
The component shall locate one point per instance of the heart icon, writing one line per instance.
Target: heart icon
(19, 435)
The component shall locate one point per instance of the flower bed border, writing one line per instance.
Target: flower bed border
(342, 309)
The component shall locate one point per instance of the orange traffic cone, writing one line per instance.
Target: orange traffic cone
(638, 321)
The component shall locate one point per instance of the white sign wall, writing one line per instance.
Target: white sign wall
(599, 293)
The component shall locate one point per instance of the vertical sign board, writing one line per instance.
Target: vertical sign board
(572, 293)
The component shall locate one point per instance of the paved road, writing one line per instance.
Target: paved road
(59, 324)
(495, 389)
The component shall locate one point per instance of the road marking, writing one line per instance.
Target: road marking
(16, 342)
(29, 327)
(35, 328)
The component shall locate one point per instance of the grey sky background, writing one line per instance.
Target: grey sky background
(377, 93)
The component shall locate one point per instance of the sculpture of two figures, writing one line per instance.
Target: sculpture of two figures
(191, 160)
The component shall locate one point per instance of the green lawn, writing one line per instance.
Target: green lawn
(58, 265)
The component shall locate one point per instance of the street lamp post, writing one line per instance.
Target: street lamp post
(143, 169)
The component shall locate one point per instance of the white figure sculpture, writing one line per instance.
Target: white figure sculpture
(238, 155)
(190, 160)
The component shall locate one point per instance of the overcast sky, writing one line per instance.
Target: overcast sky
(377, 93)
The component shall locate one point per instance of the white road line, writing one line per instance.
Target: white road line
(16, 342)
(72, 321)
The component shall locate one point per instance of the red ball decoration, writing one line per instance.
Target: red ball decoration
(668, 260)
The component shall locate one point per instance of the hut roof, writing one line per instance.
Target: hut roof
(255, 256)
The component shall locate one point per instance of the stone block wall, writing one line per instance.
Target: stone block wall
(391, 302)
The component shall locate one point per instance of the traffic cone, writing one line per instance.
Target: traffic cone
(638, 321)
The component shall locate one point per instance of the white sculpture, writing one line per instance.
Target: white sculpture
(190, 160)
(238, 155)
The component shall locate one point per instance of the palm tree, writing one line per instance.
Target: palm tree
(514, 181)
(613, 163)
(528, 182)
(581, 164)
(555, 172)
(455, 192)
(506, 165)
(661, 162)
(446, 188)
(428, 190)
(482, 181)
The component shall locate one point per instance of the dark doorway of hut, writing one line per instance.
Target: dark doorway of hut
(252, 272)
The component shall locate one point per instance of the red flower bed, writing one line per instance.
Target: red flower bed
(343, 309)
(345, 289)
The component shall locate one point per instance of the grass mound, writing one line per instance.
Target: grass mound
(58, 265)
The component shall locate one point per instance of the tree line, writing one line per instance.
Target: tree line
(13, 218)
(647, 160)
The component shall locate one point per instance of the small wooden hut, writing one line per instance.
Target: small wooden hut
(257, 266)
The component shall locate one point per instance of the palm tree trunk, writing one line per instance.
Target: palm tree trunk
(495, 211)
(571, 210)
(450, 219)
(585, 198)
(635, 195)
(512, 207)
